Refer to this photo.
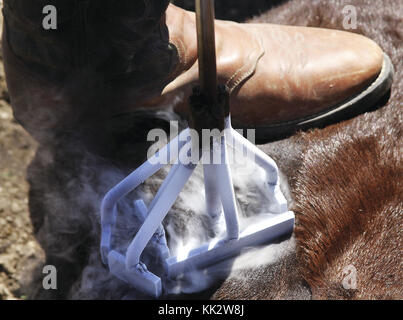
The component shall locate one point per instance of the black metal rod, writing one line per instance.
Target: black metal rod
(206, 49)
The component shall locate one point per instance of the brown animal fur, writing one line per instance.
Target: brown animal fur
(346, 181)
(348, 190)
(349, 208)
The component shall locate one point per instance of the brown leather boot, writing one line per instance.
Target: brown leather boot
(106, 61)
(281, 78)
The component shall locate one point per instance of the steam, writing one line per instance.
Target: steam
(72, 214)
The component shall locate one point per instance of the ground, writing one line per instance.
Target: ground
(18, 247)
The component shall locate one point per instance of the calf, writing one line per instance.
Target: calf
(344, 183)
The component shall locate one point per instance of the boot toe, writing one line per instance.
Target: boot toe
(304, 72)
(347, 68)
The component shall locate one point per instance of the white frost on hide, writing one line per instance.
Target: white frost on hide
(197, 227)
(263, 256)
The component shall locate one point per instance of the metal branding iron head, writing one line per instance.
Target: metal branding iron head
(219, 190)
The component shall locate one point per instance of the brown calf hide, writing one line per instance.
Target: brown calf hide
(346, 182)
(348, 189)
